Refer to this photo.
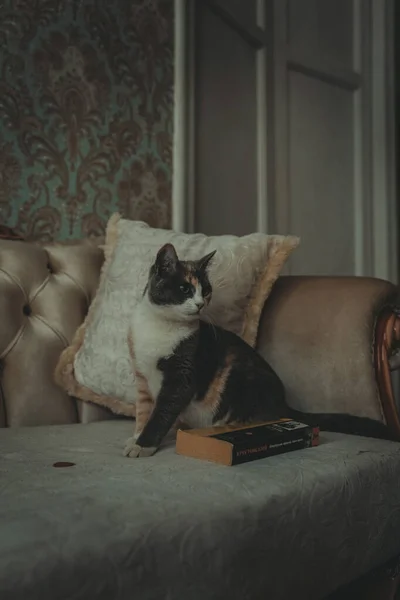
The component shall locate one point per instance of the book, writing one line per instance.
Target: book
(230, 445)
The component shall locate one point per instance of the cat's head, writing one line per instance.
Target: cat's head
(180, 288)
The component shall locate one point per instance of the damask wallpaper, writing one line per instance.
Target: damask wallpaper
(86, 106)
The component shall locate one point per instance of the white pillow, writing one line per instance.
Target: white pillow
(97, 366)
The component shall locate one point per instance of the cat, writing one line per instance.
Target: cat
(189, 370)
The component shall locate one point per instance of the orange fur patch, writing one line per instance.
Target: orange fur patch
(138, 374)
(190, 278)
(144, 409)
(212, 398)
(144, 401)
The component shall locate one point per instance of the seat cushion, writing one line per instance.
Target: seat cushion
(174, 527)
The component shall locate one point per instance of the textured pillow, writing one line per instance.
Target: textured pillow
(97, 366)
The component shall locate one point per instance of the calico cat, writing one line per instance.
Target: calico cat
(190, 370)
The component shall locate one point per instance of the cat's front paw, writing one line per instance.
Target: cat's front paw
(133, 450)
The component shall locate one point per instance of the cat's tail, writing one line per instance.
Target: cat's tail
(342, 423)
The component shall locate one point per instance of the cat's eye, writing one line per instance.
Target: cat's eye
(185, 288)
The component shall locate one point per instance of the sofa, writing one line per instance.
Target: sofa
(78, 520)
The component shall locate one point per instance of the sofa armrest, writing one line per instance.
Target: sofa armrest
(386, 360)
(331, 340)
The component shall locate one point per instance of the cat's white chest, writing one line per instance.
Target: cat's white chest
(154, 339)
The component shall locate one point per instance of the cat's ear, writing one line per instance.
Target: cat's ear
(167, 259)
(205, 261)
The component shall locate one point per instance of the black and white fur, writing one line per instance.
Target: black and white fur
(199, 372)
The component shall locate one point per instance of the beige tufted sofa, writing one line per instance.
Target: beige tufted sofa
(107, 526)
(45, 292)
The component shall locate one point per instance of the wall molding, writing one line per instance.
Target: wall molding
(323, 71)
(384, 203)
(179, 150)
(280, 134)
(254, 35)
(262, 99)
(183, 186)
(363, 254)
(375, 210)
(184, 156)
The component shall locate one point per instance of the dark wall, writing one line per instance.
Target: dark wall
(86, 105)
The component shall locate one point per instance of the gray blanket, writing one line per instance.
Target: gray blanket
(173, 528)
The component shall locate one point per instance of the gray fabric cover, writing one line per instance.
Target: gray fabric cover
(172, 528)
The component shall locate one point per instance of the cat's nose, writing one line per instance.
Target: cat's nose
(199, 305)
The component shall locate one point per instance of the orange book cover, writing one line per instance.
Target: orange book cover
(236, 445)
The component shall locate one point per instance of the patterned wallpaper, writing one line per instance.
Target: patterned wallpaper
(86, 106)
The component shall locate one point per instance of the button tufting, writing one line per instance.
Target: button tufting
(49, 268)
(27, 310)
